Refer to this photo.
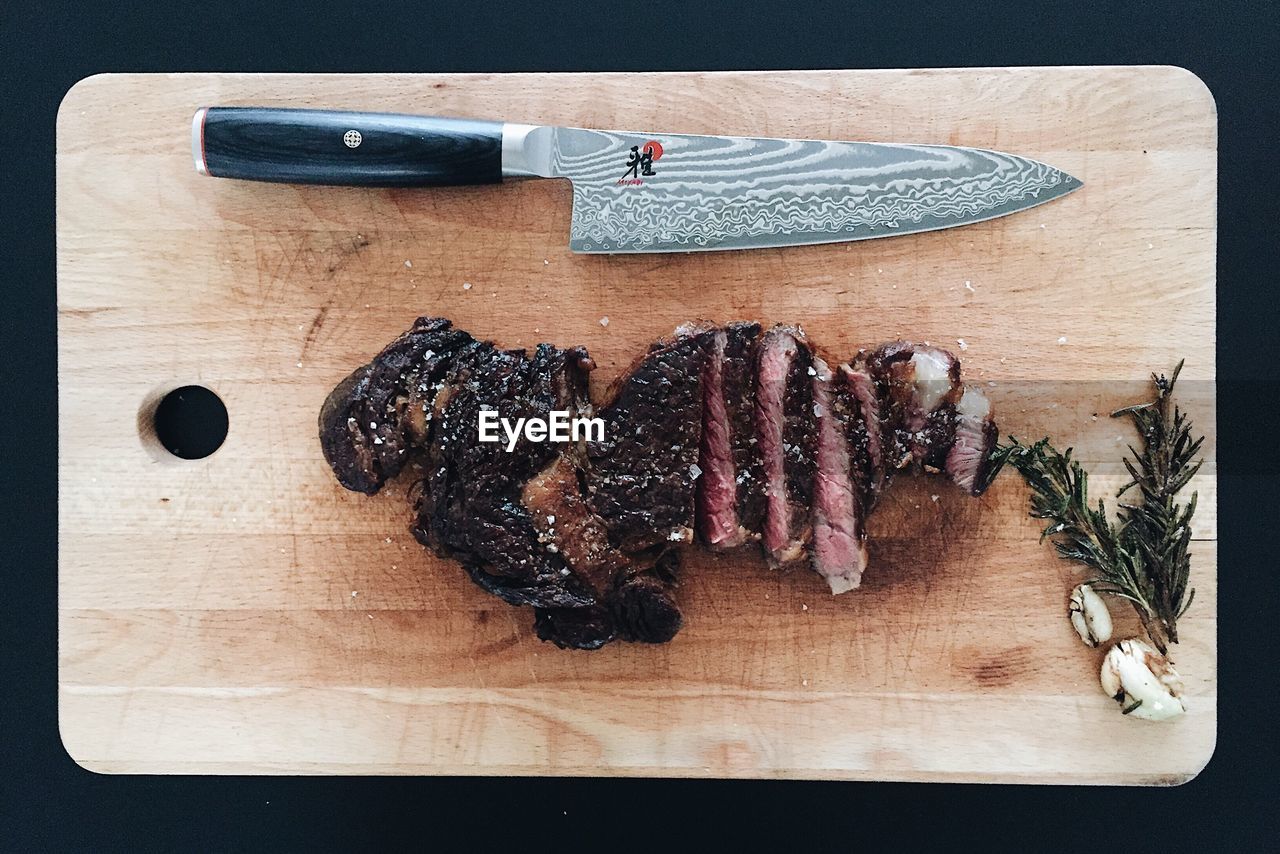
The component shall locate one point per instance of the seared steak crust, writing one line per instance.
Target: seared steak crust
(866, 433)
(642, 475)
(574, 628)
(800, 436)
(377, 416)
(470, 507)
(639, 607)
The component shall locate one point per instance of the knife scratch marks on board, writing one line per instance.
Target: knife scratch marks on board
(916, 625)
(664, 262)
(346, 252)
(959, 606)
(317, 324)
(275, 256)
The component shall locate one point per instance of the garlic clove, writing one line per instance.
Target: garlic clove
(1142, 681)
(1089, 615)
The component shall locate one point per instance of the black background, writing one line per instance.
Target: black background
(45, 48)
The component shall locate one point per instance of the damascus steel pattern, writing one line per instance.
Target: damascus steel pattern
(675, 193)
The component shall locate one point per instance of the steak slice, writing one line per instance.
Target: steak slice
(470, 507)
(839, 531)
(867, 433)
(730, 498)
(717, 492)
(919, 386)
(969, 460)
(641, 476)
(374, 419)
(740, 364)
(787, 439)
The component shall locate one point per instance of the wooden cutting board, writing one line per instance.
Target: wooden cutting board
(242, 613)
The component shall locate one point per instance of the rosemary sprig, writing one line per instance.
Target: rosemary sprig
(1159, 525)
(1142, 556)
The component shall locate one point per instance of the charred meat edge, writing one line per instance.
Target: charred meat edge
(379, 414)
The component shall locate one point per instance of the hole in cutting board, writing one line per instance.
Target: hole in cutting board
(190, 422)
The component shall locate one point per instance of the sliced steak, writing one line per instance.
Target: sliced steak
(787, 438)
(716, 497)
(969, 460)
(839, 533)
(730, 495)
(641, 477)
(374, 419)
(740, 364)
(728, 428)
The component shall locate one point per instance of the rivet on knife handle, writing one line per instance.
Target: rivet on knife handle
(345, 148)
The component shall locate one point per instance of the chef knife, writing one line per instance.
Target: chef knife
(640, 192)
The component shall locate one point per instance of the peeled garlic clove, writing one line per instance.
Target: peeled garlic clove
(1142, 681)
(1089, 615)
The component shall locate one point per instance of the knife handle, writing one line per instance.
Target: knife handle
(345, 148)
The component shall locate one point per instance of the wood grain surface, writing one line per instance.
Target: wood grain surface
(243, 614)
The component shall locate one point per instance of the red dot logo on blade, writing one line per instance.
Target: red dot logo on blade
(653, 148)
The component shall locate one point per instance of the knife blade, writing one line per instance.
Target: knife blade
(641, 192)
